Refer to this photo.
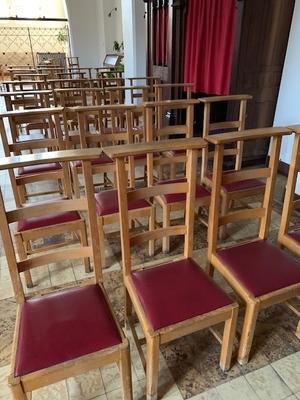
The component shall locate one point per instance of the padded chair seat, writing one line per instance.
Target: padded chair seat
(241, 185)
(103, 159)
(261, 267)
(177, 291)
(62, 326)
(201, 192)
(47, 220)
(35, 169)
(107, 203)
(295, 235)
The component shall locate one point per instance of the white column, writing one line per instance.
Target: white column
(134, 37)
(287, 108)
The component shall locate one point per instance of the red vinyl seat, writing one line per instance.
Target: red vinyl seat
(170, 198)
(177, 291)
(36, 169)
(295, 235)
(240, 185)
(260, 267)
(107, 203)
(103, 159)
(62, 326)
(47, 220)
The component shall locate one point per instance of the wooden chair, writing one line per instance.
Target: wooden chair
(15, 86)
(107, 200)
(43, 351)
(51, 172)
(260, 272)
(67, 83)
(147, 81)
(172, 91)
(238, 189)
(175, 298)
(175, 201)
(26, 99)
(287, 237)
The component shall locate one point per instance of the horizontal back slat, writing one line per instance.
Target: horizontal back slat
(158, 190)
(238, 176)
(156, 234)
(242, 215)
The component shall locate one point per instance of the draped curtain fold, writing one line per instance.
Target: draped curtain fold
(160, 35)
(209, 44)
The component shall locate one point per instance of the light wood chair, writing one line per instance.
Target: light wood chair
(107, 200)
(144, 80)
(172, 91)
(238, 189)
(290, 238)
(176, 298)
(51, 172)
(26, 99)
(69, 331)
(261, 273)
(175, 201)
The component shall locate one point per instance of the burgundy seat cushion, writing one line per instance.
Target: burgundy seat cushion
(261, 267)
(177, 291)
(295, 235)
(240, 185)
(201, 192)
(63, 326)
(107, 203)
(47, 220)
(35, 169)
(103, 159)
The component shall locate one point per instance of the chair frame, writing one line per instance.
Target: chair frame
(154, 338)
(289, 203)
(253, 304)
(119, 353)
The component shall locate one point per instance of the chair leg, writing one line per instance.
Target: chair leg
(298, 330)
(224, 211)
(166, 223)
(152, 366)
(75, 179)
(151, 228)
(209, 269)
(228, 339)
(84, 242)
(17, 390)
(22, 256)
(125, 371)
(128, 309)
(102, 242)
(172, 171)
(252, 310)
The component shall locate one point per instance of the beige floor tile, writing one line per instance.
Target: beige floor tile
(102, 397)
(291, 397)
(6, 289)
(236, 389)
(4, 390)
(297, 395)
(288, 369)
(57, 391)
(211, 394)
(61, 273)
(111, 377)
(40, 279)
(267, 384)
(86, 386)
(138, 393)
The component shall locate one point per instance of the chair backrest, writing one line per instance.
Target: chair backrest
(15, 86)
(169, 91)
(117, 94)
(27, 98)
(72, 97)
(156, 127)
(85, 204)
(144, 80)
(210, 127)
(120, 155)
(290, 203)
(67, 83)
(263, 213)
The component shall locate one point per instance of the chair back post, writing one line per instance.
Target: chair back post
(123, 212)
(205, 133)
(270, 187)
(214, 209)
(240, 143)
(191, 177)
(10, 253)
(290, 187)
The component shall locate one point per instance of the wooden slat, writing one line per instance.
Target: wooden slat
(224, 125)
(240, 215)
(57, 256)
(237, 176)
(249, 134)
(171, 103)
(158, 190)
(214, 99)
(37, 111)
(159, 233)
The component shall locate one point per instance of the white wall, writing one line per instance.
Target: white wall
(113, 24)
(87, 31)
(134, 34)
(288, 103)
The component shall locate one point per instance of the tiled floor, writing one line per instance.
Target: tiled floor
(188, 366)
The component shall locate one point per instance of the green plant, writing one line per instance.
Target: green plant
(118, 47)
(61, 37)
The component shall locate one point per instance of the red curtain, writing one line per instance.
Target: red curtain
(209, 44)
(160, 35)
